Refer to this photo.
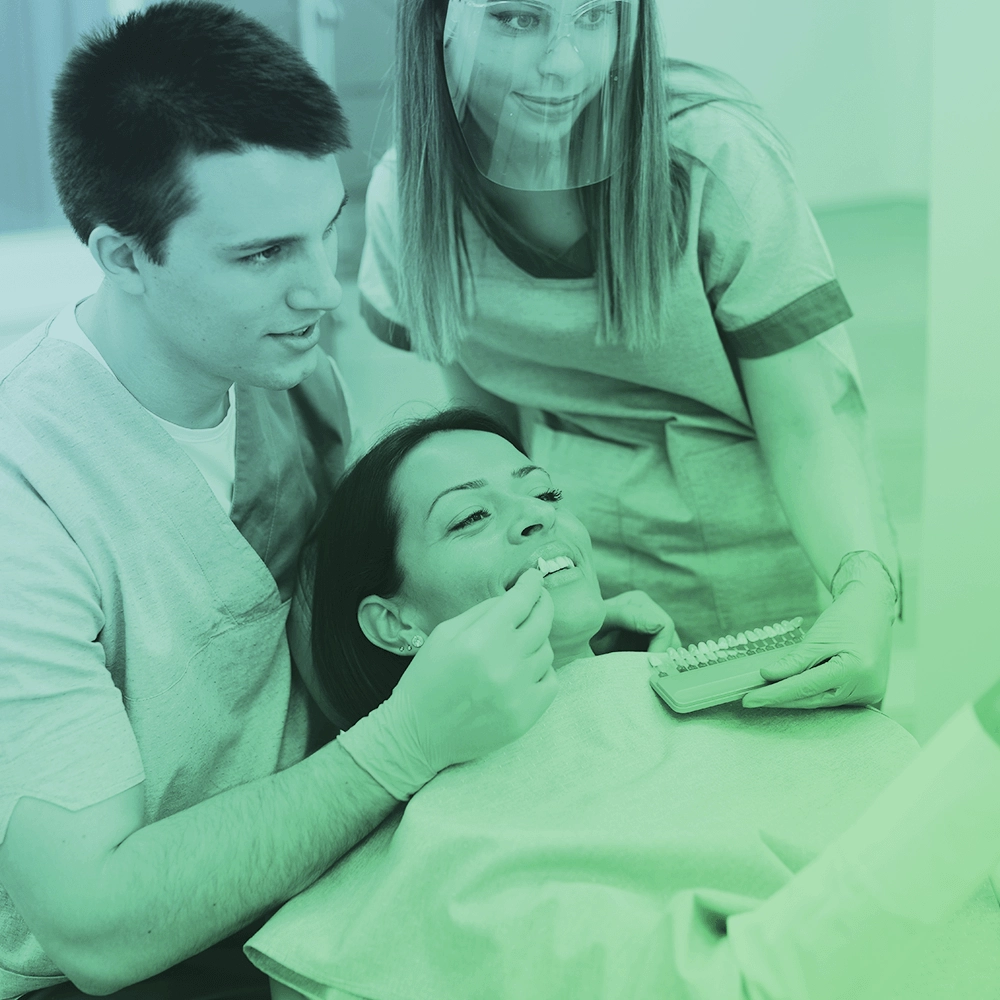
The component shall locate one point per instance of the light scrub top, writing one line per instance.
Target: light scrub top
(654, 449)
(212, 449)
(142, 630)
(600, 856)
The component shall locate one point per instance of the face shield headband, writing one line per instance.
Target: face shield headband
(539, 87)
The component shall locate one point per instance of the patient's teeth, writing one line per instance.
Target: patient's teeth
(547, 566)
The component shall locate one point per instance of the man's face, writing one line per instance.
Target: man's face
(251, 266)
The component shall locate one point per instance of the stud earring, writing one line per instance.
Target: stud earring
(406, 648)
(418, 641)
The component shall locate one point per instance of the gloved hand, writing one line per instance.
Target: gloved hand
(844, 658)
(481, 680)
(636, 611)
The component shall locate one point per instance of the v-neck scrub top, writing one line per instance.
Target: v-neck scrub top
(655, 449)
(142, 630)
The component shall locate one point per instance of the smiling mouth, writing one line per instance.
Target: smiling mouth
(549, 566)
(301, 332)
(555, 103)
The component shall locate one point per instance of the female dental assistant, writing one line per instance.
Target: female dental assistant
(612, 250)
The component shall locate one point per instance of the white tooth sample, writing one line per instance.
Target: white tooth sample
(742, 639)
(768, 631)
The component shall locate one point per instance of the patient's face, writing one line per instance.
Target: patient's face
(475, 513)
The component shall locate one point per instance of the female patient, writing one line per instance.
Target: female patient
(615, 850)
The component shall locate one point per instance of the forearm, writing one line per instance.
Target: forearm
(813, 429)
(825, 490)
(175, 887)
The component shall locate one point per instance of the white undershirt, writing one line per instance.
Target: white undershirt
(212, 449)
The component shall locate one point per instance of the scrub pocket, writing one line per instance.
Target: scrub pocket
(756, 569)
(226, 718)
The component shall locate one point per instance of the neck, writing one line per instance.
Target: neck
(552, 219)
(564, 652)
(143, 363)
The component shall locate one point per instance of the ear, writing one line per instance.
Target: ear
(117, 255)
(383, 624)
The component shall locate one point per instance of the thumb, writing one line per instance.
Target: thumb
(802, 657)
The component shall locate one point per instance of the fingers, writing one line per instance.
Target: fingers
(636, 611)
(533, 632)
(517, 605)
(665, 639)
(800, 658)
(510, 609)
(819, 683)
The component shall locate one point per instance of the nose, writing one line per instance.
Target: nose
(561, 57)
(532, 516)
(315, 287)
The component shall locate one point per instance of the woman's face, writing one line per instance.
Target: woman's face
(530, 67)
(474, 515)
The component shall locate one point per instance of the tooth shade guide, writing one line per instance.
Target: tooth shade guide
(728, 647)
(691, 679)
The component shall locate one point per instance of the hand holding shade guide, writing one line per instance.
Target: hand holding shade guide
(712, 673)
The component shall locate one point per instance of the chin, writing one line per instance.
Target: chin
(577, 616)
(286, 377)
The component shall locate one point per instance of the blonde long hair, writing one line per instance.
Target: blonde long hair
(637, 222)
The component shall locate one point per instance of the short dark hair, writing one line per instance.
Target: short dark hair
(137, 99)
(354, 556)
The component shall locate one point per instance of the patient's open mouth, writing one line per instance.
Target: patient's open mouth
(549, 566)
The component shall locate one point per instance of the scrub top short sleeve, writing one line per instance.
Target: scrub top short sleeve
(766, 271)
(66, 735)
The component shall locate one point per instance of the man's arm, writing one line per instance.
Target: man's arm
(113, 902)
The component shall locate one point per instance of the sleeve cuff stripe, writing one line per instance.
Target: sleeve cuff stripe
(807, 317)
(393, 334)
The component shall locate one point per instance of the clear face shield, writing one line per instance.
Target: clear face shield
(539, 87)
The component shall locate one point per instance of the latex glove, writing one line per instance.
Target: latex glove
(481, 680)
(636, 611)
(849, 645)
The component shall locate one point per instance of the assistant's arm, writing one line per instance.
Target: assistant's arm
(812, 425)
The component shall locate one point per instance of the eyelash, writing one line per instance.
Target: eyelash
(259, 259)
(549, 496)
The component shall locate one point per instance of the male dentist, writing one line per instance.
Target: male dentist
(165, 446)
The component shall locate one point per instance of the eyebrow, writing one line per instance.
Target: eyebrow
(478, 484)
(276, 240)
